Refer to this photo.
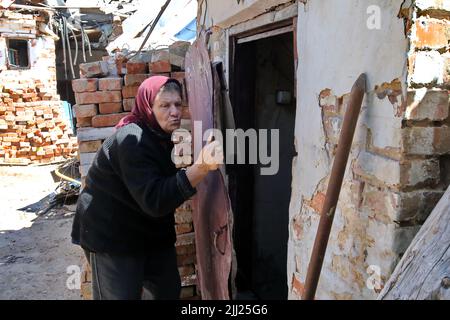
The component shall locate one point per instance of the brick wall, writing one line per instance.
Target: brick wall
(32, 124)
(105, 93)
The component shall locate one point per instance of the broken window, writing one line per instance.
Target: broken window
(18, 53)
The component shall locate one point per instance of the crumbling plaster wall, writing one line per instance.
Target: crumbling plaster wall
(393, 177)
(41, 58)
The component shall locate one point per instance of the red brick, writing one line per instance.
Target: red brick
(94, 69)
(185, 249)
(135, 79)
(186, 206)
(110, 84)
(111, 107)
(160, 66)
(183, 217)
(136, 67)
(98, 97)
(432, 33)
(128, 104)
(426, 140)
(184, 228)
(129, 91)
(85, 111)
(186, 259)
(317, 202)
(84, 85)
(298, 287)
(431, 104)
(186, 270)
(187, 292)
(89, 146)
(121, 65)
(108, 120)
(84, 122)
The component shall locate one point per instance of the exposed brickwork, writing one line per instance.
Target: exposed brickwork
(33, 128)
(398, 167)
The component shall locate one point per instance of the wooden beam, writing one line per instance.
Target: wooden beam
(90, 134)
(266, 34)
(31, 8)
(424, 271)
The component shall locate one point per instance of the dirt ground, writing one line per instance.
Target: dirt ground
(37, 259)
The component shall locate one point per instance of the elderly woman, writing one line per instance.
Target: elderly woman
(125, 214)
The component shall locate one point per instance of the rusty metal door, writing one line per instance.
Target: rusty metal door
(212, 210)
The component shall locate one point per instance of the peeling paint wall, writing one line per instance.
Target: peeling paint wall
(388, 189)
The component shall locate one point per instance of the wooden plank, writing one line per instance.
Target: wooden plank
(265, 19)
(424, 271)
(90, 134)
(266, 34)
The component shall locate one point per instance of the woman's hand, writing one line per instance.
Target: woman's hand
(211, 156)
(209, 159)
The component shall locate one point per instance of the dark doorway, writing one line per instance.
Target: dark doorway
(262, 69)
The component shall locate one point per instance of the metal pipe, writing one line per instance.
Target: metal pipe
(334, 187)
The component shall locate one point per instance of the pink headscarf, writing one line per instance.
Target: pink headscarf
(142, 111)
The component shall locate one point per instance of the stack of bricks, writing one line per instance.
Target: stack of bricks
(185, 247)
(32, 127)
(105, 93)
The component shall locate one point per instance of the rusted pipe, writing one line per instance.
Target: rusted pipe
(334, 187)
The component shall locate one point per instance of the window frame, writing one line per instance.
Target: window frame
(11, 66)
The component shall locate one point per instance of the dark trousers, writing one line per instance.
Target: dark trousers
(134, 277)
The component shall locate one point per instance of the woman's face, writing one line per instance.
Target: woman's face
(167, 110)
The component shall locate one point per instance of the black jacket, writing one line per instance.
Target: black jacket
(132, 190)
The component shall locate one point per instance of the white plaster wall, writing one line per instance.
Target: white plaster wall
(227, 13)
(334, 47)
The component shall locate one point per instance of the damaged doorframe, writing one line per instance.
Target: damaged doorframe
(235, 41)
(257, 33)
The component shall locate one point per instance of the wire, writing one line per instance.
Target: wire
(88, 43)
(63, 41)
(76, 47)
(69, 50)
(64, 177)
(83, 43)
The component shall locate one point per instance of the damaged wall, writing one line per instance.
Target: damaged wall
(32, 125)
(398, 166)
(393, 178)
